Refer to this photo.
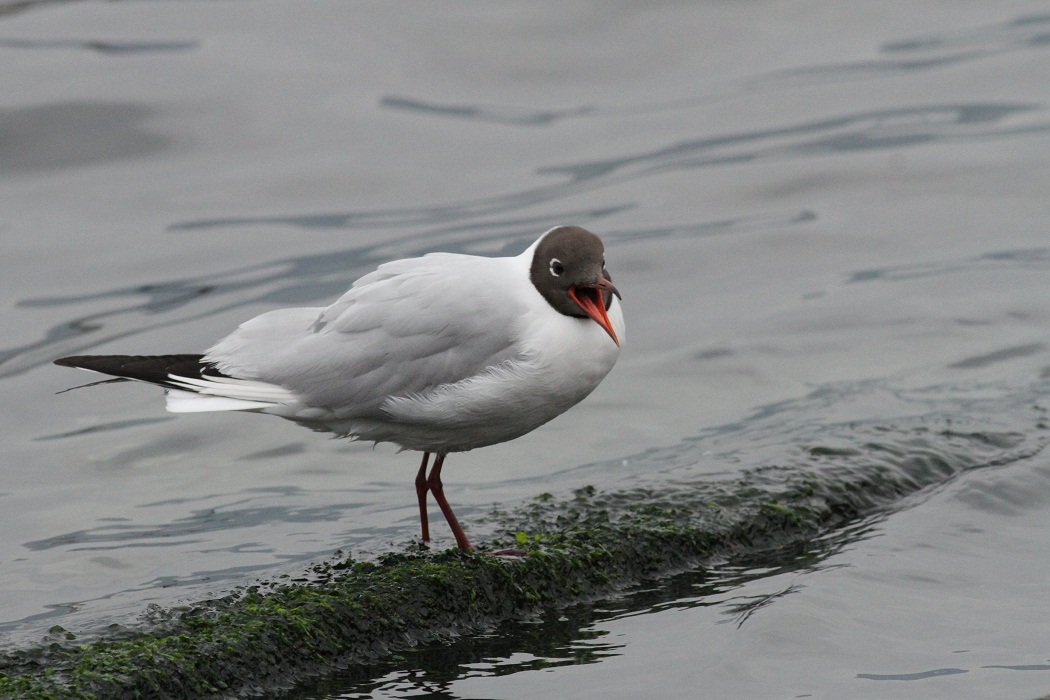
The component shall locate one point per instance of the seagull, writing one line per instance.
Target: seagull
(441, 353)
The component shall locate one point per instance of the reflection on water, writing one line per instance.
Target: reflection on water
(873, 130)
(573, 635)
(920, 54)
(109, 48)
(922, 675)
(496, 115)
(102, 427)
(228, 517)
(1024, 32)
(744, 592)
(836, 135)
(1022, 259)
(1004, 355)
(67, 134)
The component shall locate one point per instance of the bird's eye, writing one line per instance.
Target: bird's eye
(556, 267)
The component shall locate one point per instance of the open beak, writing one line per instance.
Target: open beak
(589, 297)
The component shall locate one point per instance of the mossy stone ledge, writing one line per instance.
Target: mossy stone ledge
(260, 639)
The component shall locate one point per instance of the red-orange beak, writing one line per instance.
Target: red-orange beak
(589, 298)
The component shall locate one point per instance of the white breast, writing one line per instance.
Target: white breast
(561, 360)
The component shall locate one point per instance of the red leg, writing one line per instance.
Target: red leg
(434, 482)
(421, 492)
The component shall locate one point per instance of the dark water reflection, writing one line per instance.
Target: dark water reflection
(496, 115)
(1022, 259)
(920, 54)
(107, 48)
(75, 134)
(572, 635)
(863, 131)
(232, 515)
(747, 590)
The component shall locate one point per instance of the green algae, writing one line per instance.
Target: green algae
(259, 640)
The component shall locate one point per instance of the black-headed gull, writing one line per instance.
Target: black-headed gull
(442, 353)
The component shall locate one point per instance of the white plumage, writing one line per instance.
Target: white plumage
(442, 353)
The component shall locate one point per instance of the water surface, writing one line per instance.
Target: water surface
(815, 214)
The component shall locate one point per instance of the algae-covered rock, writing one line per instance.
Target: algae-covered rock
(260, 639)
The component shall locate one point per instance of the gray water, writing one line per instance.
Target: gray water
(816, 213)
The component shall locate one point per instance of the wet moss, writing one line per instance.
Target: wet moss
(258, 640)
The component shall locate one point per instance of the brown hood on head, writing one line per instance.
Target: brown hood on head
(568, 269)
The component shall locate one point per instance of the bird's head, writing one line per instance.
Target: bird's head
(568, 269)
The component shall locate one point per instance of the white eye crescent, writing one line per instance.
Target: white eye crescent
(556, 267)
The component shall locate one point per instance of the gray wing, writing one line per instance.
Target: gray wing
(408, 327)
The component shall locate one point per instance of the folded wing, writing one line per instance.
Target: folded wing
(407, 328)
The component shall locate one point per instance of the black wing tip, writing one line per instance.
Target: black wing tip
(112, 361)
(155, 369)
(72, 360)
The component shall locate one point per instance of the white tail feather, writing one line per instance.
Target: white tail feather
(224, 394)
(177, 401)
